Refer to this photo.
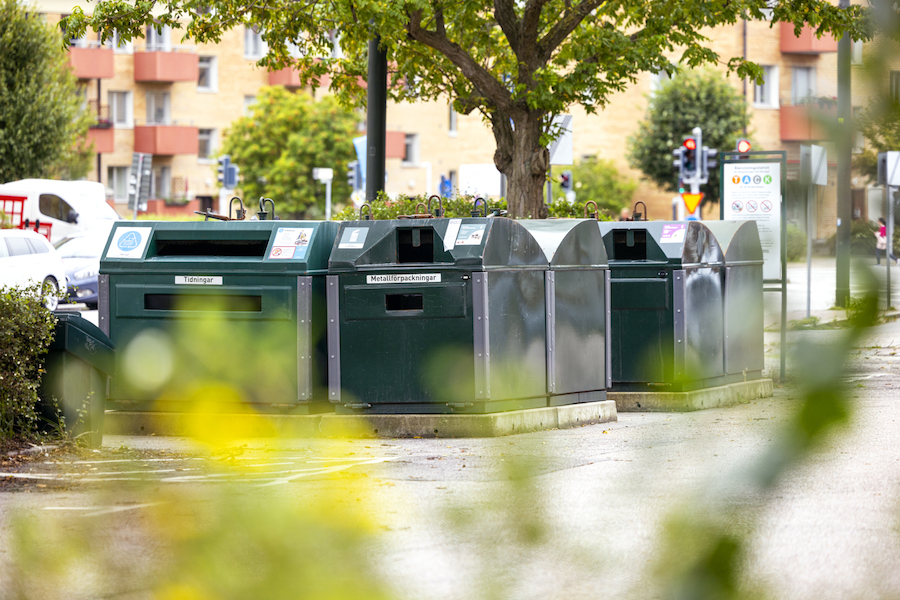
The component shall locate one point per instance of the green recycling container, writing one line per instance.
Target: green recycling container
(217, 315)
(79, 362)
(667, 305)
(436, 316)
(743, 304)
(576, 290)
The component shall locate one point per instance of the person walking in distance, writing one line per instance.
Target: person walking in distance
(881, 243)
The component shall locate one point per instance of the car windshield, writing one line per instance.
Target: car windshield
(85, 246)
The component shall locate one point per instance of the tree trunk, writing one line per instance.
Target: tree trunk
(523, 160)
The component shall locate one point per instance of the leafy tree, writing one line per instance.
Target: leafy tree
(879, 123)
(696, 98)
(598, 181)
(518, 63)
(285, 137)
(43, 127)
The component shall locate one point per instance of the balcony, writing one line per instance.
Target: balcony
(166, 139)
(91, 60)
(165, 67)
(807, 42)
(288, 77)
(103, 139)
(807, 122)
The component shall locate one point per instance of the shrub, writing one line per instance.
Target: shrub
(862, 238)
(26, 329)
(385, 207)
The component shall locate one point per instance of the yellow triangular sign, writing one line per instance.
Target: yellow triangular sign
(692, 201)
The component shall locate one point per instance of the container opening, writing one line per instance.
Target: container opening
(203, 302)
(630, 244)
(415, 245)
(404, 302)
(247, 248)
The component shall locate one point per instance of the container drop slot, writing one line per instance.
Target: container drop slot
(630, 244)
(237, 248)
(203, 302)
(415, 245)
(395, 302)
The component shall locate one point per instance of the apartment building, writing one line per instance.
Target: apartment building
(176, 102)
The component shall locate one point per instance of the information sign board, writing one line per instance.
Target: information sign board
(751, 191)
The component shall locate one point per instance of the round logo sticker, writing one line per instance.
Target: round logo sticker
(751, 206)
(737, 207)
(129, 241)
(766, 205)
(746, 179)
(736, 179)
(757, 179)
(767, 179)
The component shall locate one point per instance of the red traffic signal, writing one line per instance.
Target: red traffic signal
(743, 145)
(690, 144)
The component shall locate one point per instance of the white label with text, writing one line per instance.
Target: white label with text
(405, 278)
(198, 280)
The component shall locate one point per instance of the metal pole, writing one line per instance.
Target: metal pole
(550, 185)
(844, 213)
(889, 248)
(810, 198)
(99, 162)
(376, 119)
(328, 200)
(137, 192)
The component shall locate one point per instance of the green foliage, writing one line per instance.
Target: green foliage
(879, 123)
(694, 98)
(796, 243)
(601, 182)
(517, 63)
(385, 207)
(278, 146)
(862, 238)
(26, 329)
(43, 128)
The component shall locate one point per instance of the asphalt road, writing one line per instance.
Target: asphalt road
(558, 514)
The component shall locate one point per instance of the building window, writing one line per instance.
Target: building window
(249, 101)
(161, 183)
(207, 139)
(803, 84)
(119, 45)
(765, 95)
(157, 108)
(453, 122)
(117, 181)
(411, 149)
(208, 77)
(159, 41)
(121, 107)
(254, 46)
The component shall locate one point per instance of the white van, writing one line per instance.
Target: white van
(69, 206)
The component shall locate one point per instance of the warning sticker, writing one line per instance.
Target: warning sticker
(129, 242)
(673, 234)
(353, 238)
(291, 242)
(405, 278)
(470, 235)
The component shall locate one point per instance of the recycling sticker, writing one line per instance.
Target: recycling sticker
(129, 242)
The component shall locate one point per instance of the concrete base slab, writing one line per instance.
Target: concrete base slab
(714, 397)
(358, 426)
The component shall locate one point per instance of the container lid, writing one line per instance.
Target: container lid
(78, 336)
(215, 247)
(682, 243)
(569, 243)
(468, 243)
(739, 241)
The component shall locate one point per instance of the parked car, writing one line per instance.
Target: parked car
(27, 258)
(68, 206)
(81, 256)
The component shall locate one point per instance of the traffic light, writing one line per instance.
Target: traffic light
(709, 161)
(353, 178)
(743, 146)
(224, 163)
(565, 180)
(689, 158)
(677, 162)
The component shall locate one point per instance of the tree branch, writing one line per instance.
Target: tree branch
(483, 81)
(564, 27)
(505, 13)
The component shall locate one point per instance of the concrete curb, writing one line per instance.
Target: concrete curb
(715, 397)
(359, 426)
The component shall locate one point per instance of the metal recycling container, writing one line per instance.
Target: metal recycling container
(217, 315)
(577, 288)
(79, 362)
(436, 316)
(667, 305)
(743, 311)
